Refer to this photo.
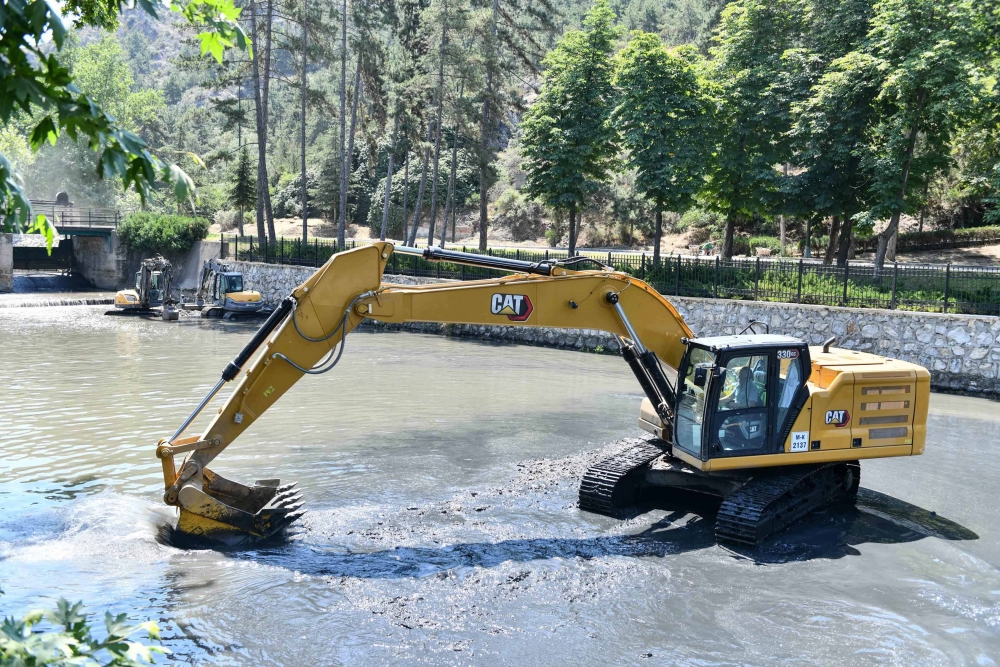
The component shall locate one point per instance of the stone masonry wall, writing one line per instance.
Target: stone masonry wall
(961, 351)
(6, 262)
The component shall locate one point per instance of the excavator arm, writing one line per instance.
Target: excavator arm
(307, 332)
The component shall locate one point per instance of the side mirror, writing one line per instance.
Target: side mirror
(700, 376)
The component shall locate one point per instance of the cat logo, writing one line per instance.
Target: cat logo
(517, 307)
(839, 418)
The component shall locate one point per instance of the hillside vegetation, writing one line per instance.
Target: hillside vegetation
(751, 123)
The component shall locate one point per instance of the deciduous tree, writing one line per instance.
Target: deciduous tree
(569, 144)
(665, 124)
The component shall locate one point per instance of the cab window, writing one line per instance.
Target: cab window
(740, 424)
(233, 284)
(691, 408)
(789, 382)
(745, 384)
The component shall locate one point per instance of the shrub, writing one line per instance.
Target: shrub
(156, 232)
(748, 246)
(71, 639)
(393, 225)
(520, 218)
(937, 239)
(287, 199)
(226, 219)
(697, 218)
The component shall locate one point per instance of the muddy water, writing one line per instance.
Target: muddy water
(441, 477)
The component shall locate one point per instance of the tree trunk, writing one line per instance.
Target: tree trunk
(388, 180)
(923, 209)
(781, 221)
(420, 195)
(845, 240)
(657, 236)
(406, 191)
(342, 210)
(261, 133)
(450, 204)
(450, 198)
(484, 137)
(266, 96)
(349, 157)
(305, 209)
(727, 240)
(890, 232)
(437, 130)
(807, 248)
(572, 231)
(834, 237)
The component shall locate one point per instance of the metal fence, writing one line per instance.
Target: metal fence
(63, 216)
(920, 287)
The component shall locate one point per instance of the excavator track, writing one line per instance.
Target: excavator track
(611, 486)
(773, 501)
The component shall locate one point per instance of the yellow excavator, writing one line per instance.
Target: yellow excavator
(227, 296)
(773, 426)
(152, 289)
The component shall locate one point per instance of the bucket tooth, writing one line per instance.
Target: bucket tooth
(234, 514)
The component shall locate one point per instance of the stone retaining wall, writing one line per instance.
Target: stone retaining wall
(6, 262)
(961, 351)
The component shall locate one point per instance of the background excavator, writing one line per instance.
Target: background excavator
(774, 427)
(221, 293)
(152, 290)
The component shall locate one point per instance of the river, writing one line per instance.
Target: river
(441, 479)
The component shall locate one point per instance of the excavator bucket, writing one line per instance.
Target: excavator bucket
(233, 514)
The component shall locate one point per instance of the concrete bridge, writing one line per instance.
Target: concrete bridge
(87, 244)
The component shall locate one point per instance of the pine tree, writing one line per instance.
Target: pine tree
(569, 145)
(243, 194)
(327, 198)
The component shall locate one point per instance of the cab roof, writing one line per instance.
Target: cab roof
(719, 343)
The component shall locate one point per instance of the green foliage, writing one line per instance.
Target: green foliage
(664, 120)
(37, 84)
(753, 117)
(71, 639)
(568, 143)
(394, 222)
(939, 239)
(748, 245)
(930, 58)
(100, 71)
(155, 232)
(287, 200)
(244, 183)
(517, 217)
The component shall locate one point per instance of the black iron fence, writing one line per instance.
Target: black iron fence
(919, 287)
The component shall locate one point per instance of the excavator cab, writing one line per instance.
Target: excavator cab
(736, 396)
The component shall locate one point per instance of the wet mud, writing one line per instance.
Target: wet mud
(441, 478)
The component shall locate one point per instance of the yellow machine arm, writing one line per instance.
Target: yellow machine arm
(306, 335)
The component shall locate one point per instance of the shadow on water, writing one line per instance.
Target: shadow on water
(834, 533)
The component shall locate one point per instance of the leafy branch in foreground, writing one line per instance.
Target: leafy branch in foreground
(35, 83)
(72, 640)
